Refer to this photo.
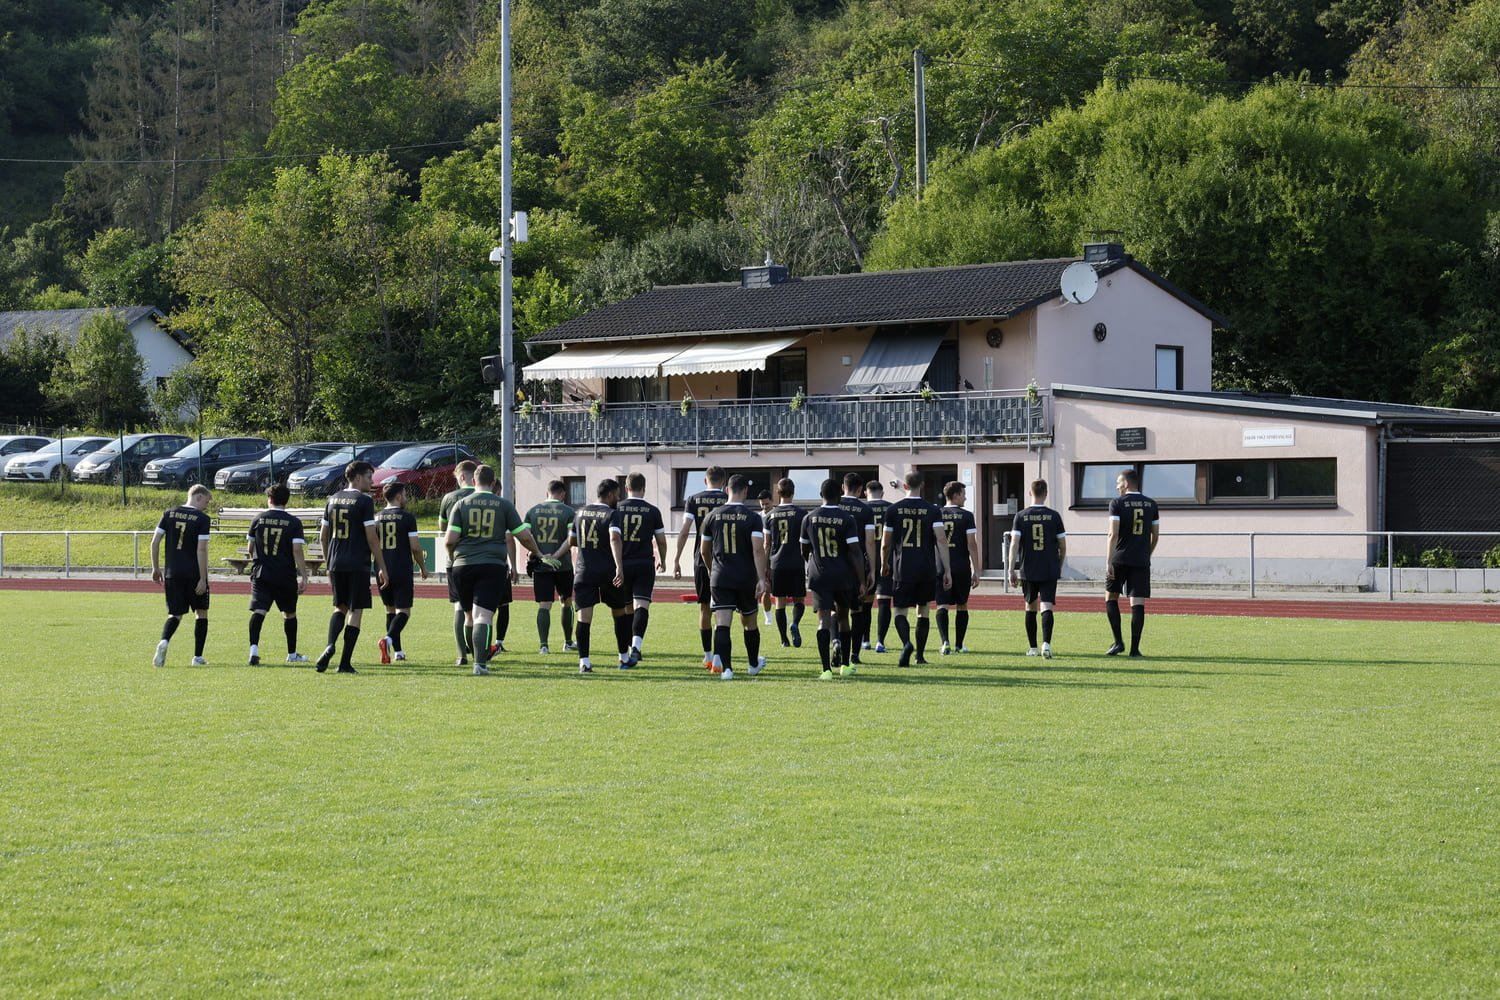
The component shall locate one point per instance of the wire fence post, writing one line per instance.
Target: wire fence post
(2, 553)
(124, 496)
(1390, 566)
(135, 554)
(67, 554)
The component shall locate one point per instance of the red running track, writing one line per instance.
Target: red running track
(1368, 609)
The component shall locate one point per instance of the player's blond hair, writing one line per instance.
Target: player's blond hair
(199, 490)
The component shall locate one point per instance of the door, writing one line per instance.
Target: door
(1004, 495)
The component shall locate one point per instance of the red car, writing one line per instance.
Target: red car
(426, 469)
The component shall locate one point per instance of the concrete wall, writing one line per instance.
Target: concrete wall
(1085, 433)
(1138, 315)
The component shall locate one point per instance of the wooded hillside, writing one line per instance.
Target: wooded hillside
(310, 189)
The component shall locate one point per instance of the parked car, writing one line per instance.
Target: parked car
(51, 461)
(108, 465)
(20, 444)
(426, 469)
(328, 478)
(285, 460)
(197, 461)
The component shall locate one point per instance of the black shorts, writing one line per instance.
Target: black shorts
(264, 594)
(914, 593)
(885, 587)
(1039, 590)
(790, 583)
(351, 588)
(833, 598)
(484, 585)
(701, 582)
(963, 582)
(640, 580)
(741, 599)
(182, 596)
(452, 587)
(398, 593)
(587, 593)
(1132, 581)
(549, 585)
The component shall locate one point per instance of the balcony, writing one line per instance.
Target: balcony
(960, 419)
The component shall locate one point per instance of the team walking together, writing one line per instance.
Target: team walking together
(864, 561)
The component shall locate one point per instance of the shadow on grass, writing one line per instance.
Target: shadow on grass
(692, 672)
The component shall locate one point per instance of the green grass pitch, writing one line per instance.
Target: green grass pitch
(1264, 808)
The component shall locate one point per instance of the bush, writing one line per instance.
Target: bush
(1438, 558)
(1492, 558)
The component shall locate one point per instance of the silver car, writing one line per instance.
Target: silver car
(51, 462)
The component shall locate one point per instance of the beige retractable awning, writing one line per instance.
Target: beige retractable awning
(610, 361)
(730, 354)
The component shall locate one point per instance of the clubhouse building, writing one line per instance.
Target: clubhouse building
(993, 375)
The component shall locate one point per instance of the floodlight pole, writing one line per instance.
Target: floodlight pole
(919, 77)
(507, 485)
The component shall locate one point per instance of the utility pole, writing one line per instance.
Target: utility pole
(507, 333)
(919, 67)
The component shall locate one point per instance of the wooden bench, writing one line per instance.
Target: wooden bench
(240, 517)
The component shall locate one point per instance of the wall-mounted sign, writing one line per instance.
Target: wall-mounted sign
(1130, 439)
(1268, 437)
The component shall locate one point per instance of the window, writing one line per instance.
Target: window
(785, 373)
(1230, 482)
(1170, 481)
(578, 490)
(1168, 367)
(635, 390)
(1097, 482)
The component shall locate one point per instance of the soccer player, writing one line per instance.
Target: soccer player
(914, 534)
(1133, 533)
(1038, 546)
(185, 578)
(854, 483)
(734, 546)
(462, 624)
(598, 547)
(835, 572)
(550, 521)
(347, 535)
(788, 572)
(962, 536)
(641, 529)
(766, 506)
(278, 575)
(479, 526)
(878, 504)
(400, 543)
(694, 510)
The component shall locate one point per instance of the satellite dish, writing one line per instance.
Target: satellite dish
(1079, 282)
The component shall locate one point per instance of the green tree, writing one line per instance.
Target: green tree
(699, 252)
(26, 363)
(1318, 223)
(98, 382)
(671, 158)
(120, 268)
(622, 42)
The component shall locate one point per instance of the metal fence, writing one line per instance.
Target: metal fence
(956, 418)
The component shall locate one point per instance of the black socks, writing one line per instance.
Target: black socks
(1031, 629)
(1112, 612)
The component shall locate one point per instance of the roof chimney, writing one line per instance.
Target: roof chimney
(1099, 253)
(764, 275)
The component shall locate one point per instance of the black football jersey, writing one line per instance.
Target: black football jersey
(394, 527)
(698, 507)
(877, 514)
(591, 530)
(830, 539)
(784, 536)
(1039, 528)
(1137, 515)
(913, 540)
(274, 533)
(732, 530)
(640, 522)
(347, 513)
(183, 527)
(960, 524)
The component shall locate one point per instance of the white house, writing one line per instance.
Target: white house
(162, 351)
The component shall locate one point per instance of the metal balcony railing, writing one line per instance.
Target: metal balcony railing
(962, 419)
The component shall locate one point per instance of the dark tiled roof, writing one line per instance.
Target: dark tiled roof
(970, 291)
(66, 321)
